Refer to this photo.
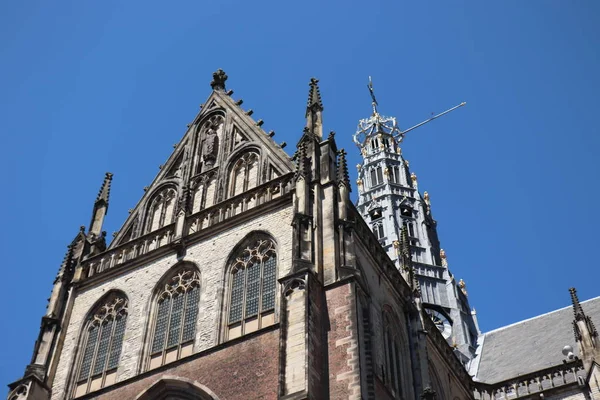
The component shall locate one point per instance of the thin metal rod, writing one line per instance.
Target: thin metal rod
(430, 119)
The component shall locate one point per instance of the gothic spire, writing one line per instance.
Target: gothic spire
(101, 206)
(314, 97)
(314, 109)
(219, 78)
(342, 169)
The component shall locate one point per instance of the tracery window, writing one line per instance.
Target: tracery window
(175, 318)
(102, 345)
(252, 284)
(244, 174)
(160, 212)
(392, 354)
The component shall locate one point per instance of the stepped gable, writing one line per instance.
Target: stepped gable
(223, 153)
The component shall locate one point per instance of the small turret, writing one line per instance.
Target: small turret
(314, 109)
(100, 206)
(585, 332)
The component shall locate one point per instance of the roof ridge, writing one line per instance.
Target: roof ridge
(537, 316)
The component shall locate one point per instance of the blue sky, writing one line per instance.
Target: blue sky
(89, 87)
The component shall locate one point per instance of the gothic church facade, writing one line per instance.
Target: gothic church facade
(244, 273)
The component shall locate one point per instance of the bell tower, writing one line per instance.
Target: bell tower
(390, 202)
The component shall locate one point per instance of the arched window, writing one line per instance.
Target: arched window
(174, 326)
(392, 355)
(376, 176)
(102, 343)
(244, 174)
(378, 230)
(160, 212)
(252, 283)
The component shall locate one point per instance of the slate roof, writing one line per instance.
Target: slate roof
(529, 345)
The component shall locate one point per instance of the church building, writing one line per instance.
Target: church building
(247, 273)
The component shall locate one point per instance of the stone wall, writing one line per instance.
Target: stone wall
(211, 257)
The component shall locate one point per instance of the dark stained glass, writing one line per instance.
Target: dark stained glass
(252, 290)
(175, 323)
(237, 297)
(191, 314)
(268, 295)
(161, 325)
(102, 353)
(117, 343)
(88, 355)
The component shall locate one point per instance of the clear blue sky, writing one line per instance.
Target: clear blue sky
(88, 87)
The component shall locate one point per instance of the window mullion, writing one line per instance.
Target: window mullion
(260, 289)
(246, 175)
(244, 297)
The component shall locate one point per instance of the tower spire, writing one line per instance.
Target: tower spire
(314, 109)
(101, 206)
(374, 103)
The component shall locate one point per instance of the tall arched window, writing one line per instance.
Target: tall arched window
(244, 174)
(252, 284)
(160, 212)
(174, 326)
(392, 355)
(102, 343)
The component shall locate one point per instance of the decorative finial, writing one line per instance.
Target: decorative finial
(302, 162)
(342, 169)
(104, 192)
(413, 178)
(443, 257)
(463, 287)
(577, 310)
(314, 97)
(219, 78)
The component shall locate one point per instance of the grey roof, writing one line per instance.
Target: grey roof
(529, 345)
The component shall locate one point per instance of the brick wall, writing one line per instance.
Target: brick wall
(210, 256)
(344, 374)
(246, 370)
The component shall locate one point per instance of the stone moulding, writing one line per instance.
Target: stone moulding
(194, 225)
(542, 381)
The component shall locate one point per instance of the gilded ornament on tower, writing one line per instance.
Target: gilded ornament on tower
(463, 286)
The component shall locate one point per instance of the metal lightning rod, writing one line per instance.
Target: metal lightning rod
(401, 134)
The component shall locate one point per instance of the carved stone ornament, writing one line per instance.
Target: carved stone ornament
(428, 393)
(182, 282)
(210, 146)
(463, 286)
(19, 393)
(293, 284)
(413, 177)
(219, 78)
(112, 310)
